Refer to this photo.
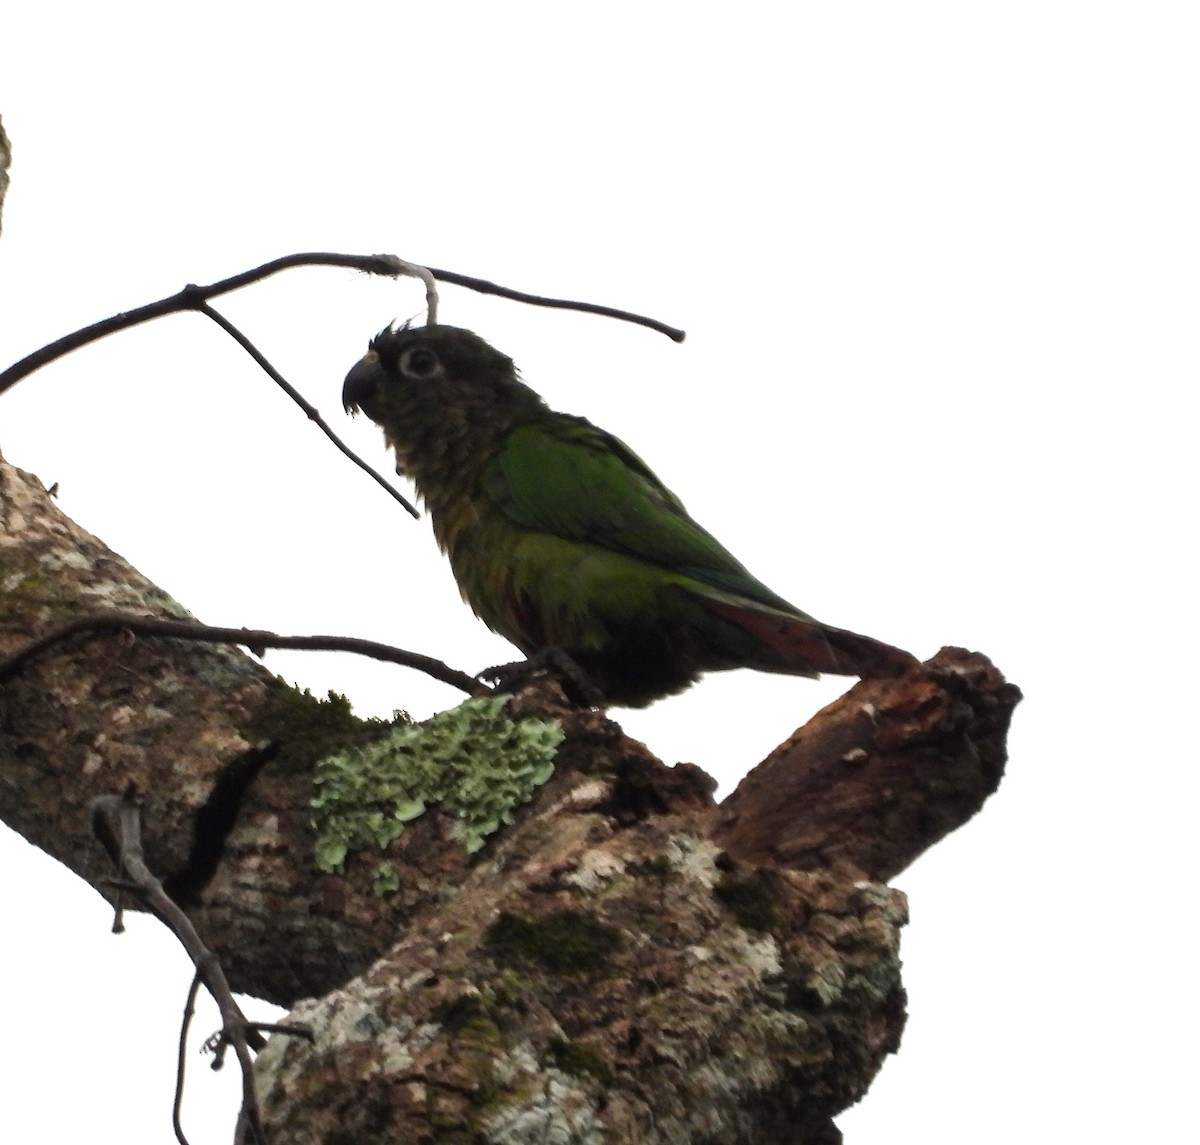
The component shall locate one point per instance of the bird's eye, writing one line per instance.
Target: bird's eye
(419, 362)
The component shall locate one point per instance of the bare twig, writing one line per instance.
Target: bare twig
(191, 297)
(94, 624)
(310, 410)
(431, 294)
(116, 822)
(181, 1064)
(484, 287)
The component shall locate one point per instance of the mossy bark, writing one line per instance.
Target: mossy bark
(625, 961)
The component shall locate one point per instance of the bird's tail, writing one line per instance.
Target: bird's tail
(802, 646)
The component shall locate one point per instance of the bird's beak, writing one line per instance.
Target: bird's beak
(360, 390)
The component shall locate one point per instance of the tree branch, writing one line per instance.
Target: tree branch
(181, 1060)
(309, 409)
(880, 775)
(483, 286)
(94, 624)
(116, 822)
(192, 297)
(621, 959)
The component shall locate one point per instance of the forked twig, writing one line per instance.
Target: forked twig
(191, 297)
(116, 822)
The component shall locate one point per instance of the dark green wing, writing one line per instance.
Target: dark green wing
(568, 478)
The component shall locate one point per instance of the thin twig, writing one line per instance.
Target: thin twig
(310, 410)
(191, 297)
(181, 1065)
(431, 295)
(116, 822)
(484, 287)
(92, 624)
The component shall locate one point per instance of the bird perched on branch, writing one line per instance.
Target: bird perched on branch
(562, 539)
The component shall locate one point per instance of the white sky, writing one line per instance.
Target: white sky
(938, 267)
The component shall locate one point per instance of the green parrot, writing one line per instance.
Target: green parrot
(563, 541)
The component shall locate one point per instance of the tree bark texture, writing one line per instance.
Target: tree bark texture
(5, 160)
(627, 961)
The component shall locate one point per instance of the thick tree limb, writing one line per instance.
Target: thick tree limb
(625, 962)
(189, 725)
(879, 776)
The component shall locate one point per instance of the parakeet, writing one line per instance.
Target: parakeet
(562, 539)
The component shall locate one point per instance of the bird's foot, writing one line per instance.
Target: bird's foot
(556, 663)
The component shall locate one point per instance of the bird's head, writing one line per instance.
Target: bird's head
(428, 369)
(437, 391)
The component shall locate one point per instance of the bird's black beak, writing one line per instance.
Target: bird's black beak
(361, 389)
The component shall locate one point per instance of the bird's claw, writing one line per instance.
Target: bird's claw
(554, 663)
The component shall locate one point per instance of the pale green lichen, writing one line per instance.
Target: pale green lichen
(472, 761)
